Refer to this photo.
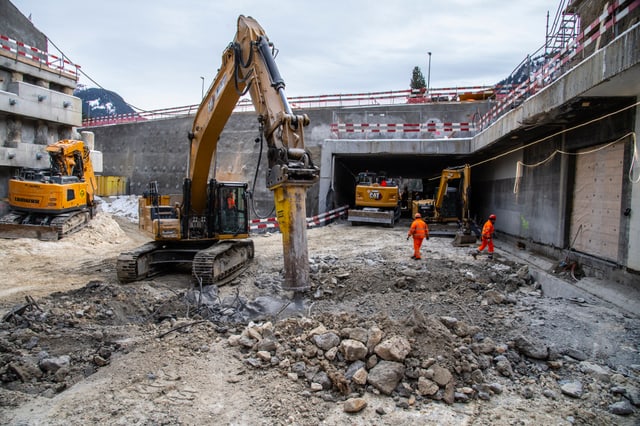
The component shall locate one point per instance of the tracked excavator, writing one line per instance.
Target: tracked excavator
(51, 203)
(377, 200)
(432, 210)
(207, 225)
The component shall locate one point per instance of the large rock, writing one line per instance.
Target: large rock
(441, 375)
(393, 349)
(532, 349)
(326, 341)
(385, 376)
(354, 405)
(353, 349)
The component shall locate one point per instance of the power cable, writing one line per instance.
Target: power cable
(556, 134)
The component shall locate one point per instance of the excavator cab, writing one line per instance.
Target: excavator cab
(232, 214)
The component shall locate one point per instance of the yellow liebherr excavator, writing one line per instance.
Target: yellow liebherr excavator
(208, 225)
(50, 203)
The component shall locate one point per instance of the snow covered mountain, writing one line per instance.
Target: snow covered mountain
(98, 102)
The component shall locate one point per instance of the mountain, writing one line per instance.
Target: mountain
(101, 102)
(526, 69)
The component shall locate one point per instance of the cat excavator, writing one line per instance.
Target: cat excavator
(207, 226)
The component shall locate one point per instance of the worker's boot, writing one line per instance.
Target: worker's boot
(474, 254)
(490, 256)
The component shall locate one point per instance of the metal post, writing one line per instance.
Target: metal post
(202, 87)
(429, 73)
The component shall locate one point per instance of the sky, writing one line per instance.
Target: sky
(159, 53)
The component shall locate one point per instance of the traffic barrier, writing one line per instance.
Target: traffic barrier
(430, 127)
(271, 224)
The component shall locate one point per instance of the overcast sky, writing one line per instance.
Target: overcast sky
(153, 53)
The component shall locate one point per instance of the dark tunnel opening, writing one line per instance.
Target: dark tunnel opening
(417, 173)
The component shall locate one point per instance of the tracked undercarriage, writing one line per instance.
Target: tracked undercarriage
(216, 263)
(43, 227)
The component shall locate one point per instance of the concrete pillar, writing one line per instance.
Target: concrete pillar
(65, 132)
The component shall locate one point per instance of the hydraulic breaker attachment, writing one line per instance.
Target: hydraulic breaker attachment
(290, 201)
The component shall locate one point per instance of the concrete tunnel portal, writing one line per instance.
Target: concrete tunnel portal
(413, 170)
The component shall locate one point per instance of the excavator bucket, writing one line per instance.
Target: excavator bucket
(462, 239)
(14, 231)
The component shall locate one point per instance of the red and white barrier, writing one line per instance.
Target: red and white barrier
(430, 127)
(22, 50)
(263, 225)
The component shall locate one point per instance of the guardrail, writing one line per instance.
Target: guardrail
(560, 63)
(23, 52)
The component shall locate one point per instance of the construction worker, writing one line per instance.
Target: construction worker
(419, 230)
(487, 237)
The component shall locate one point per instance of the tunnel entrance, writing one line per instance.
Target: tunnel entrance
(417, 173)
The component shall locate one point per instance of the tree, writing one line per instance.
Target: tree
(417, 79)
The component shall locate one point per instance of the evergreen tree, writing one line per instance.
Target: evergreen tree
(417, 79)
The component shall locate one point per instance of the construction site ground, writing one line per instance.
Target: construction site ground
(446, 340)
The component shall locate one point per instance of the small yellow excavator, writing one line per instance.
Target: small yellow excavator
(50, 203)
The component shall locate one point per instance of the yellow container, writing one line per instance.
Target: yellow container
(109, 186)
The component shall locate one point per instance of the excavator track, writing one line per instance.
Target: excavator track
(134, 265)
(222, 262)
(216, 263)
(13, 225)
(70, 223)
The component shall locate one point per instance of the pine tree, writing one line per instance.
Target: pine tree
(417, 79)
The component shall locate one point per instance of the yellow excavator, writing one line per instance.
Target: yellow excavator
(207, 226)
(50, 203)
(377, 200)
(433, 211)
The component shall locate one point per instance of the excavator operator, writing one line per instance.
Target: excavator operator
(419, 230)
(230, 211)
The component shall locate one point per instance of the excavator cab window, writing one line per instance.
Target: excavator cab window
(233, 212)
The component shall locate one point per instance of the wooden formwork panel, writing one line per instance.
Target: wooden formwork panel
(595, 218)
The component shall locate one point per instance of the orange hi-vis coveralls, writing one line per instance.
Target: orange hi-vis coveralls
(419, 230)
(487, 236)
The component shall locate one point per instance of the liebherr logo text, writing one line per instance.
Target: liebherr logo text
(26, 200)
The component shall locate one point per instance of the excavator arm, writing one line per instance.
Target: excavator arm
(248, 65)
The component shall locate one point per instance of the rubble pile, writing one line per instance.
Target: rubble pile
(378, 335)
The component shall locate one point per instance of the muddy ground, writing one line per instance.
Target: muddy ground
(379, 339)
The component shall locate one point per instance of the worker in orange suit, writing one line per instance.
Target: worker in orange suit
(419, 230)
(487, 237)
